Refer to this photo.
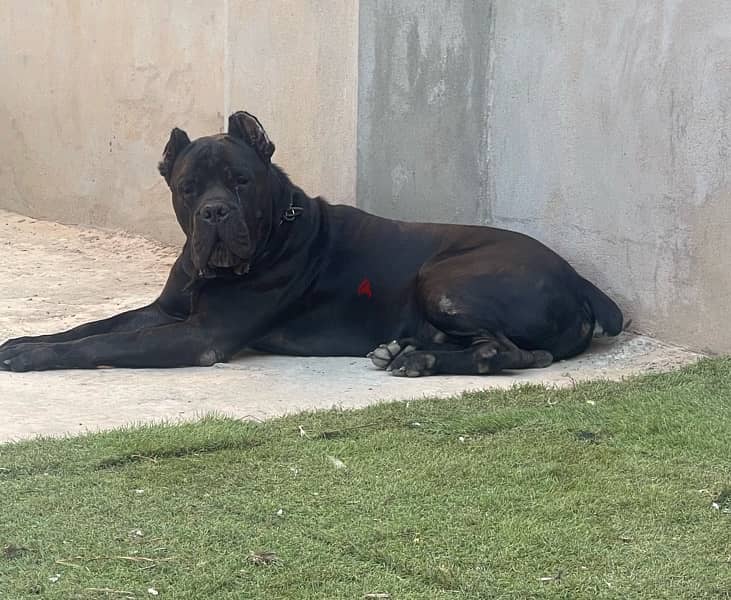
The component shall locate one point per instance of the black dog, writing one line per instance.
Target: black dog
(266, 267)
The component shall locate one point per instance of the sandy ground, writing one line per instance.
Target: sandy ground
(54, 277)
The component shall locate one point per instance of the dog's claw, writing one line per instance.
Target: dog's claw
(401, 372)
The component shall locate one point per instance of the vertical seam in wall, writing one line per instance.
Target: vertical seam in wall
(487, 211)
(357, 201)
(226, 66)
(356, 107)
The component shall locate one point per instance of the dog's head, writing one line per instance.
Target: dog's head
(222, 196)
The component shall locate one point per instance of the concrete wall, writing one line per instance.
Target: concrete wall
(423, 109)
(91, 91)
(602, 128)
(610, 139)
(295, 67)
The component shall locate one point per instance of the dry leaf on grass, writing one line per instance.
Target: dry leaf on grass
(556, 578)
(109, 591)
(263, 558)
(13, 551)
(337, 463)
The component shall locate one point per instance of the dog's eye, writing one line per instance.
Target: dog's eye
(242, 180)
(188, 188)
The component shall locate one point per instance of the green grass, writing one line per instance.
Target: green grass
(606, 490)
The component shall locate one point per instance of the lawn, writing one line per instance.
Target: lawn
(602, 491)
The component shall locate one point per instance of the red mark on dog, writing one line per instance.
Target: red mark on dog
(364, 289)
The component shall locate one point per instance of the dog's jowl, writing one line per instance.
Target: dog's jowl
(266, 267)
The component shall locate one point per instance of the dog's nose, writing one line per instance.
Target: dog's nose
(214, 212)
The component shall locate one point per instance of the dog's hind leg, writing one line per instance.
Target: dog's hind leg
(429, 339)
(384, 355)
(485, 357)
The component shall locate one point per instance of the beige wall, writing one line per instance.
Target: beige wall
(91, 91)
(293, 63)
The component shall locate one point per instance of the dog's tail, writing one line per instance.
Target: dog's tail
(608, 316)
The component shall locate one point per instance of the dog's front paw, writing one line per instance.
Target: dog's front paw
(24, 357)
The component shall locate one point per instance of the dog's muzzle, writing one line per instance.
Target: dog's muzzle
(220, 239)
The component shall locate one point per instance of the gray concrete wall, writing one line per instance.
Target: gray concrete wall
(602, 128)
(423, 108)
(91, 91)
(610, 141)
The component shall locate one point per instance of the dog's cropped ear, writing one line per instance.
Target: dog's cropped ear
(178, 140)
(246, 126)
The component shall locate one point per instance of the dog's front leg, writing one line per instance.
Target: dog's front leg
(174, 304)
(180, 344)
(140, 318)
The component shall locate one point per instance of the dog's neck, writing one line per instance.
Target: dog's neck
(296, 219)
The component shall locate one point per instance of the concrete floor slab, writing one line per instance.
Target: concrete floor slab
(55, 276)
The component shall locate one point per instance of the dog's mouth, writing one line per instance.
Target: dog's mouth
(222, 257)
(221, 248)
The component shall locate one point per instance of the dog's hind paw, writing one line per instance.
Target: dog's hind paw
(413, 364)
(384, 355)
